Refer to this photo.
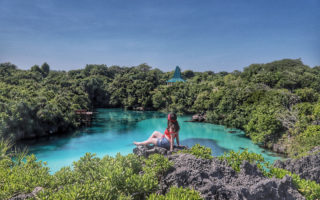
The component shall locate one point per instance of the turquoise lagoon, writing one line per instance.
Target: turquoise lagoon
(114, 130)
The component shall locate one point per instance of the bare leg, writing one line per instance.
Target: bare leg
(148, 141)
(151, 140)
(155, 134)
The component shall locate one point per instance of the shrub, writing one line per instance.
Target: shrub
(235, 159)
(199, 151)
(119, 177)
(264, 126)
(307, 140)
(22, 178)
(177, 193)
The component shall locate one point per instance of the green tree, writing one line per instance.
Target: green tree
(264, 127)
(45, 68)
(36, 68)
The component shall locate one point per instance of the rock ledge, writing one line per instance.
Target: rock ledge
(216, 180)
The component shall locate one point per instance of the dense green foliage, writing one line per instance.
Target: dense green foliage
(23, 177)
(108, 178)
(38, 102)
(119, 177)
(273, 103)
(310, 189)
(308, 139)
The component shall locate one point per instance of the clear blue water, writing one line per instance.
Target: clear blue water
(114, 130)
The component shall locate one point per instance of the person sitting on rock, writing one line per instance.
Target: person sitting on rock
(165, 140)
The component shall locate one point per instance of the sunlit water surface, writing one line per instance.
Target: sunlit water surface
(114, 130)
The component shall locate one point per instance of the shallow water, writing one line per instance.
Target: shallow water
(114, 130)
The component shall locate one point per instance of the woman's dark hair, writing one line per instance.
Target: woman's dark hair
(173, 124)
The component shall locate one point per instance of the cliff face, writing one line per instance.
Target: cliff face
(216, 180)
(307, 167)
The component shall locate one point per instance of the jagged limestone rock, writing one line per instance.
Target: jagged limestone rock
(307, 167)
(214, 179)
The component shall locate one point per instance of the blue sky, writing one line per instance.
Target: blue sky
(195, 34)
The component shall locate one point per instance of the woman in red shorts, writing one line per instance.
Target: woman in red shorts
(165, 140)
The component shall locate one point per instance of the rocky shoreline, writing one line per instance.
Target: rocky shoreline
(214, 179)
